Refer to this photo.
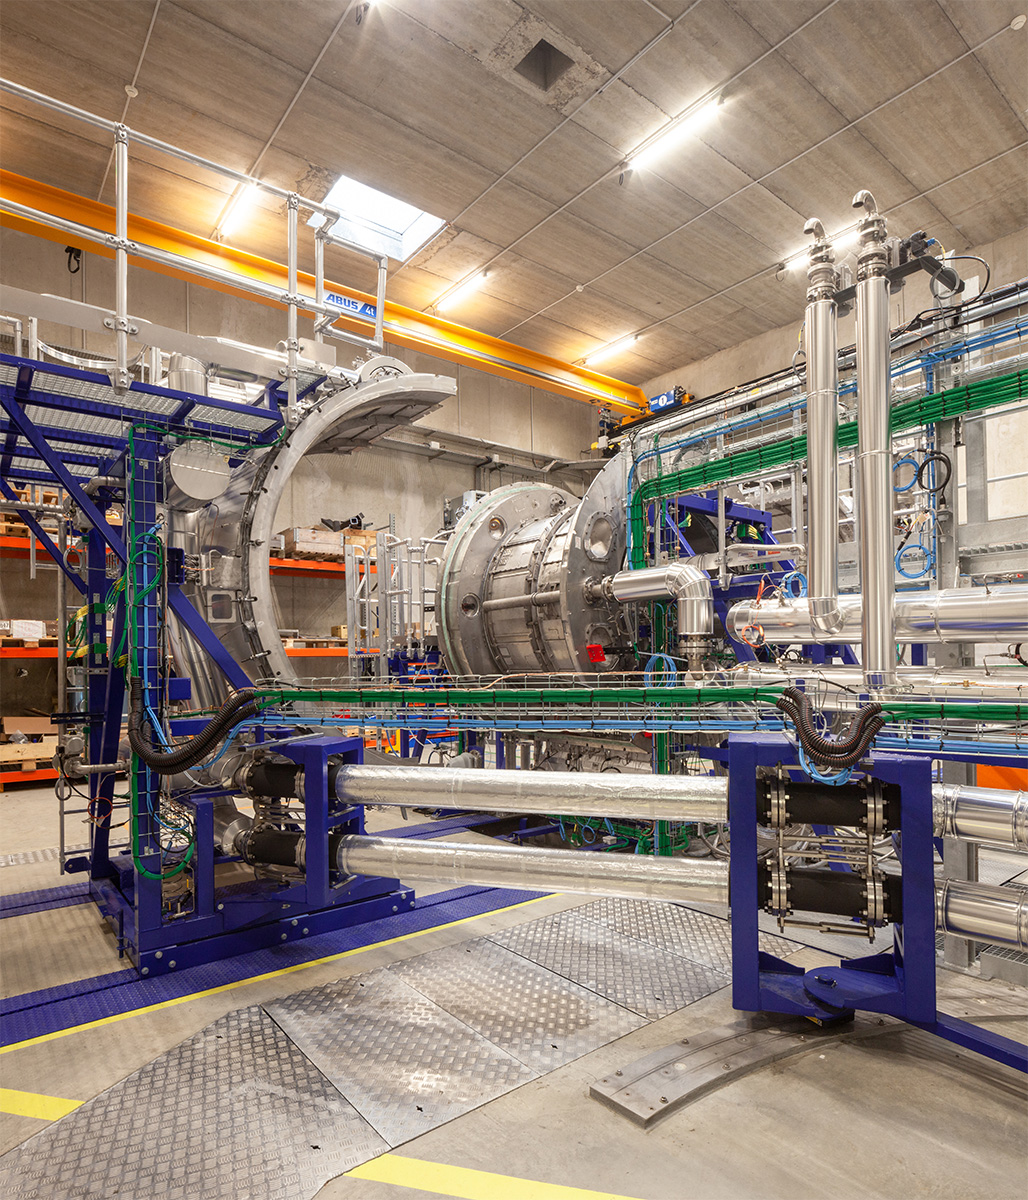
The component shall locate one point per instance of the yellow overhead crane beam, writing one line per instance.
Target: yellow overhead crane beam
(403, 326)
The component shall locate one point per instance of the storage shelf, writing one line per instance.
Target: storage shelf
(26, 776)
(28, 651)
(18, 547)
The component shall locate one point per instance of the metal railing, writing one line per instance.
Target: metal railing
(119, 241)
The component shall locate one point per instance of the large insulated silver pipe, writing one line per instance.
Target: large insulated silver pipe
(977, 814)
(822, 354)
(635, 876)
(874, 450)
(915, 684)
(994, 614)
(569, 793)
(974, 814)
(997, 915)
(687, 585)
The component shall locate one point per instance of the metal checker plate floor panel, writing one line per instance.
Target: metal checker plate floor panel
(694, 935)
(540, 1018)
(236, 1111)
(404, 1063)
(641, 977)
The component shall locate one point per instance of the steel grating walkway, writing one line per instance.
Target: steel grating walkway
(270, 1102)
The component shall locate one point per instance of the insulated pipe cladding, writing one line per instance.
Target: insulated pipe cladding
(822, 355)
(874, 449)
(990, 815)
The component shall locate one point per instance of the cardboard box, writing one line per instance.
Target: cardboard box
(339, 631)
(30, 630)
(30, 726)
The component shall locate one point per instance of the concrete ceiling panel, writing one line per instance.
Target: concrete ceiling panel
(296, 42)
(569, 161)
(781, 296)
(771, 114)
(610, 32)
(74, 52)
(858, 56)
(669, 345)
(990, 202)
(823, 182)
(698, 170)
(422, 81)
(715, 252)
(652, 286)
(776, 21)
(345, 137)
(921, 213)
(960, 120)
(621, 117)
(574, 248)
(708, 47)
(548, 336)
(642, 208)
(474, 27)
(601, 318)
(768, 219)
(504, 213)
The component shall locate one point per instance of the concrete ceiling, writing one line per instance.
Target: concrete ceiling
(923, 101)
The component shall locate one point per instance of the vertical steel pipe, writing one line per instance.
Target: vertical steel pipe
(874, 450)
(822, 354)
(292, 333)
(319, 279)
(121, 254)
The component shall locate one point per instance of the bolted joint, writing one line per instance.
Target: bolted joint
(293, 200)
(121, 133)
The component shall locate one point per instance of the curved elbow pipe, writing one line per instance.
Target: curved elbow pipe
(687, 585)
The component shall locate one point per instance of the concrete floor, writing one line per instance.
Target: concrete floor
(900, 1115)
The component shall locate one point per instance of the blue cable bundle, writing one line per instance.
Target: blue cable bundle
(662, 662)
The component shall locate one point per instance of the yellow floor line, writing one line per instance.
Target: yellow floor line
(31, 1104)
(462, 1183)
(228, 987)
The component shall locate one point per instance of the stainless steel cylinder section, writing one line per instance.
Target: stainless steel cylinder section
(632, 876)
(687, 585)
(997, 915)
(569, 793)
(822, 465)
(981, 815)
(999, 614)
(514, 586)
(874, 461)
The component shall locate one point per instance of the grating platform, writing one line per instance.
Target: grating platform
(272, 1101)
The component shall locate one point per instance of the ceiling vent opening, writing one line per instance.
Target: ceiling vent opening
(543, 65)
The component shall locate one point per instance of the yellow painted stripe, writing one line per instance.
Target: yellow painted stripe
(31, 1104)
(462, 1183)
(228, 987)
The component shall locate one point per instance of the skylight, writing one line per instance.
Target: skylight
(378, 221)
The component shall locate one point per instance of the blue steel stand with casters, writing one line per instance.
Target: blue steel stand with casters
(899, 983)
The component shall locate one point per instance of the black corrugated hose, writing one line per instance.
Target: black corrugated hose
(847, 750)
(236, 708)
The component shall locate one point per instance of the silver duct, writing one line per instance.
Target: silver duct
(633, 876)
(687, 585)
(994, 614)
(918, 684)
(822, 354)
(997, 915)
(976, 814)
(570, 793)
(874, 450)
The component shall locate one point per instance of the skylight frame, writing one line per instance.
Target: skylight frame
(379, 222)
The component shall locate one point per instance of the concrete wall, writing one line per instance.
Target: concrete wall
(380, 483)
(773, 350)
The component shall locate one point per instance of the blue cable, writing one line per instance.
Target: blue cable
(797, 578)
(832, 780)
(908, 461)
(666, 663)
(929, 561)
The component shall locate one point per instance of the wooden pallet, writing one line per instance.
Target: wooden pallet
(298, 643)
(27, 756)
(324, 544)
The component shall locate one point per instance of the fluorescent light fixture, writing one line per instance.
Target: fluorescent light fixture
(674, 132)
(610, 350)
(461, 292)
(376, 220)
(240, 207)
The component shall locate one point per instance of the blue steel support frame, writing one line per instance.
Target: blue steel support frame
(901, 982)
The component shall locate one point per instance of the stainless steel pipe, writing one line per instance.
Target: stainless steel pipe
(974, 814)
(822, 354)
(874, 450)
(687, 585)
(994, 614)
(634, 876)
(997, 915)
(570, 793)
